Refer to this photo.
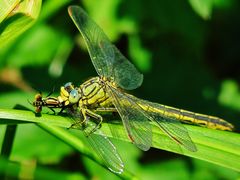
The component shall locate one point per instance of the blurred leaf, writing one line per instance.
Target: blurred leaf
(21, 170)
(64, 48)
(42, 146)
(44, 42)
(224, 3)
(18, 20)
(177, 167)
(9, 100)
(51, 7)
(202, 7)
(105, 14)
(141, 56)
(219, 147)
(211, 171)
(230, 95)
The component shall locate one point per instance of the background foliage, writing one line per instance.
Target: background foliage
(187, 50)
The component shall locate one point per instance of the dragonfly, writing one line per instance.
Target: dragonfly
(116, 74)
(99, 142)
(107, 92)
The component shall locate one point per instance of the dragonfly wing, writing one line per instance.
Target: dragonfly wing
(135, 122)
(105, 149)
(106, 58)
(168, 124)
(100, 144)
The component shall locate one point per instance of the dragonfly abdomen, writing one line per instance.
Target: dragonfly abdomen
(189, 117)
(211, 122)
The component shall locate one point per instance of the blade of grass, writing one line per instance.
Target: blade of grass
(218, 147)
(29, 116)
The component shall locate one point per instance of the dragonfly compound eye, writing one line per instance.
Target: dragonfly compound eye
(74, 96)
(69, 87)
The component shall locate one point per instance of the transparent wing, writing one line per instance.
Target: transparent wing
(106, 58)
(135, 122)
(105, 150)
(168, 124)
(136, 112)
(100, 144)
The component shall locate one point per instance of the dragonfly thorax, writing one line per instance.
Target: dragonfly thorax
(94, 93)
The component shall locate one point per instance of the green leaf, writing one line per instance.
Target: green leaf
(229, 95)
(141, 56)
(6, 7)
(44, 147)
(41, 52)
(219, 147)
(202, 7)
(18, 17)
(108, 19)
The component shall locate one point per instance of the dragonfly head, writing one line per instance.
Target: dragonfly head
(70, 94)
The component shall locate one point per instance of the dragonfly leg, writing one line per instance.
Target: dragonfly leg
(88, 113)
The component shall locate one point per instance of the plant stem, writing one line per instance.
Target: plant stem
(8, 140)
(7, 146)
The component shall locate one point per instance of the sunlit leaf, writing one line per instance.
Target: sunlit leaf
(6, 7)
(202, 7)
(105, 14)
(141, 56)
(18, 20)
(230, 95)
